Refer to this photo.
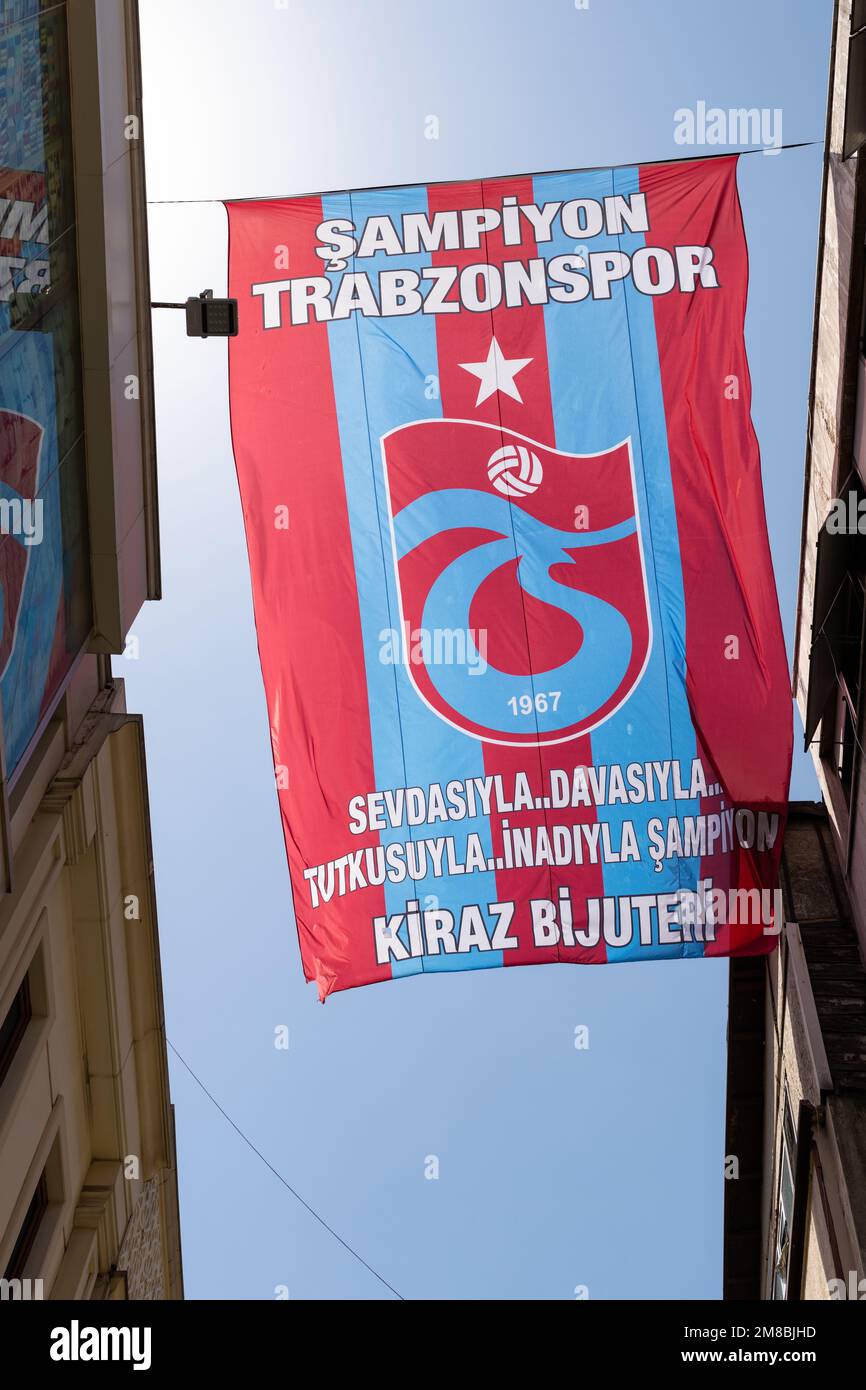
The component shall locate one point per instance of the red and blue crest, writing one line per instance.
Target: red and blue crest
(524, 615)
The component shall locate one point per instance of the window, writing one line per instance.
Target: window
(13, 1026)
(843, 741)
(840, 746)
(785, 1201)
(836, 657)
(26, 1236)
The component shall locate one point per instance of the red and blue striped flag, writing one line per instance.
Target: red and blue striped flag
(528, 692)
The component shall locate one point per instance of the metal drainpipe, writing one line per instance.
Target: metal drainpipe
(806, 1117)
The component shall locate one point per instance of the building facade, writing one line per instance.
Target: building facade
(795, 1195)
(88, 1180)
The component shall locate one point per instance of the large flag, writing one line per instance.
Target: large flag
(528, 692)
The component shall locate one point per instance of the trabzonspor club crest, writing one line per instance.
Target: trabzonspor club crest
(534, 558)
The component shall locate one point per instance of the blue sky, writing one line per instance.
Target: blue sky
(558, 1167)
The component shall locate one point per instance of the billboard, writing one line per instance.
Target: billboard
(45, 600)
(528, 692)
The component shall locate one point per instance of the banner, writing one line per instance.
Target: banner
(528, 691)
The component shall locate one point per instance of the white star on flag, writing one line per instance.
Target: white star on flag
(497, 373)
